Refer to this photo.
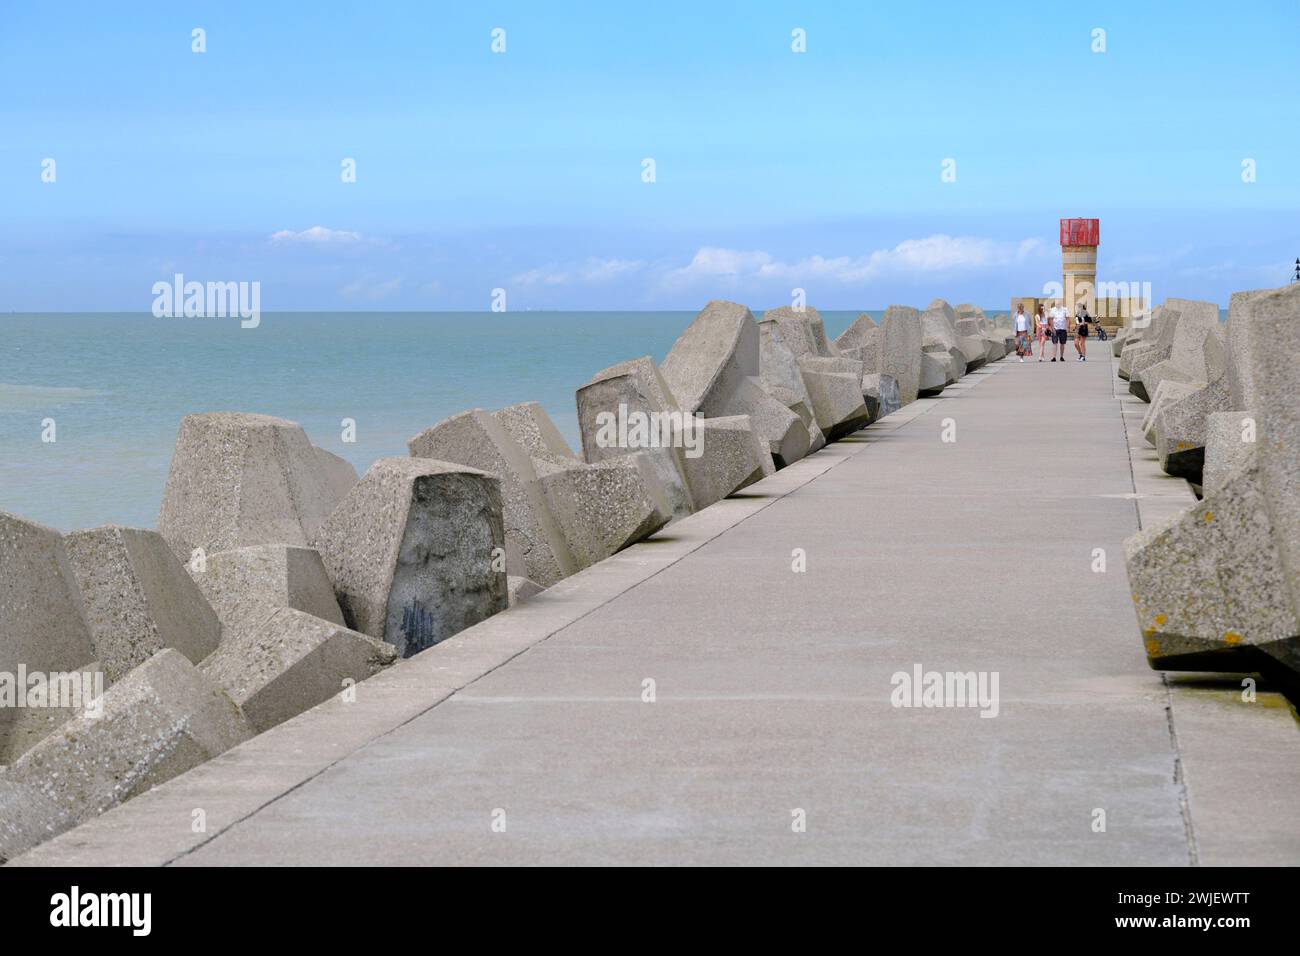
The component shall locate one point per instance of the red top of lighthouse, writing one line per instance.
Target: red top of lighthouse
(1080, 232)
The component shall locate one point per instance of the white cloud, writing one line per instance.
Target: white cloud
(317, 235)
(371, 290)
(591, 271)
(912, 257)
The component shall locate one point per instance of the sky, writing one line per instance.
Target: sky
(911, 150)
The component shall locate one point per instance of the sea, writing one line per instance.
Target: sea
(90, 404)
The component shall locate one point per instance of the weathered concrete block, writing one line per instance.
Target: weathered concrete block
(290, 662)
(864, 340)
(1242, 341)
(1195, 333)
(239, 479)
(1169, 391)
(901, 327)
(1190, 316)
(713, 368)
(339, 473)
(837, 397)
(42, 624)
(533, 431)
(1218, 587)
(138, 598)
(734, 456)
(883, 390)
(247, 585)
(1182, 429)
(162, 719)
(603, 508)
(535, 544)
(934, 374)
(636, 392)
(412, 551)
(1229, 448)
(781, 377)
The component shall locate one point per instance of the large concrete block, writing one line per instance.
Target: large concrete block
(1229, 448)
(521, 589)
(838, 403)
(533, 431)
(339, 473)
(901, 326)
(412, 551)
(240, 479)
(636, 393)
(734, 456)
(247, 585)
(1169, 391)
(290, 662)
(935, 370)
(882, 391)
(1218, 587)
(1195, 336)
(864, 341)
(1242, 340)
(162, 719)
(535, 544)
(781, 377)
(803, 330)
(1182, 429)
(42, 625)
(138, 598)
(603, 508)
(713, 368)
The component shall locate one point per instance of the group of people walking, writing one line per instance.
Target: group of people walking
(1052, 330)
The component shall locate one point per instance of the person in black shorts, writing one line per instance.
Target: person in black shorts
(1081, 333)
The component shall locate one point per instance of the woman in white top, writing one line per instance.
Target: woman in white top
(1023, 344)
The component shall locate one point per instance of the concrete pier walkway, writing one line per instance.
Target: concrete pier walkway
(538, 737)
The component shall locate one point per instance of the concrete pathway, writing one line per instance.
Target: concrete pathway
(771, 737)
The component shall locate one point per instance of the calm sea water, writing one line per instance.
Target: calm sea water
(117, 386)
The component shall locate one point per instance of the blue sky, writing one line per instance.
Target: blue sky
(523, 170)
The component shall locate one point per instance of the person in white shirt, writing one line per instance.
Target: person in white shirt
(1023, 345)
(1060, 332)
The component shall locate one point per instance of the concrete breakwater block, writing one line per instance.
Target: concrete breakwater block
(713, 368)
(42, 624)
(1136, 346)
(780, 375)
(413, 551)
(1218, 587)
(934, 374)
(162, 719)
(1168, 392)
(1154, 351)
(599, 508)
(603, 508)
(939, 337)
(735, 456)
(340, 476)
(1182, 429)
(535, 545)
(971, 343)
(1196, 353)
(245, 586)
(138, 598)
(290, 662)
(882, 391)
(901, 360)
(635, 392)
(240, 479)
(1229, 448)
(833, 382)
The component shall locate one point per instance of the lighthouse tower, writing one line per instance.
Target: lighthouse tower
(1079, 240)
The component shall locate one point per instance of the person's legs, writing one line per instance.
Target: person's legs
(1083, 347)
